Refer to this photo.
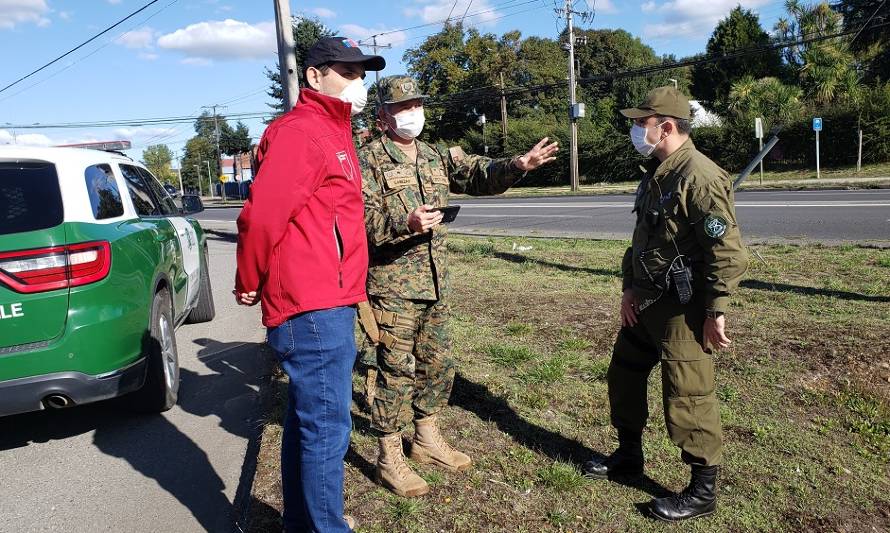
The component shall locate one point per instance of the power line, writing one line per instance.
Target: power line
(81, 45)
(512, 3)
(89, 55)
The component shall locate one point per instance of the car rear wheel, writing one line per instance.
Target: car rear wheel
(204, 310)
(161, 388)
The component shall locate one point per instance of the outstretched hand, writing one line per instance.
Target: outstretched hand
(541, 154)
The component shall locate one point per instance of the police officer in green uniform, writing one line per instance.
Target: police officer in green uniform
(685, 261)
(405, 182)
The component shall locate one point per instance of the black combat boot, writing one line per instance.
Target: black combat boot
(698, 499)
(625, 462)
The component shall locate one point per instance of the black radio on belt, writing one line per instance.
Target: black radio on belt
(681, 278)
(653, 217)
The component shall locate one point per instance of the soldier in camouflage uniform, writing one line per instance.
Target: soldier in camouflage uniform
(686, 259)
(404, 181)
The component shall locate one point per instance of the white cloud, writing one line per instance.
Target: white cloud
(148, 56)
(691, 18)
(137, 39)
(361, 33)
(602, 7)
(65, 15)
(114, 1)
(143, 133)
(196, 61)
(228, 39)
(14, 12)
(323, 12)
(438, 10)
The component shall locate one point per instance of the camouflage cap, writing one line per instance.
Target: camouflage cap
(666, 101)
(395, 89)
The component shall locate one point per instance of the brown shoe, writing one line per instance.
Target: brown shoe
(394, 473)
(429, 446)
(350, 521)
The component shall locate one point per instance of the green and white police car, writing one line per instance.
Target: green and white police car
(98, 266)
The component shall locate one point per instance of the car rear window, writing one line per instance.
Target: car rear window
(30, 199)
(105, 198)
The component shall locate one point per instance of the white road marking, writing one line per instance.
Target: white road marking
(630, 204)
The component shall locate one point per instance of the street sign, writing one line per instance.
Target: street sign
(223, 178)
(817, 124)
(758, 128)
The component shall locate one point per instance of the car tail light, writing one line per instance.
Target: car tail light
(59, 267)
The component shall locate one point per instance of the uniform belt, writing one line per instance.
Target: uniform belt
(393, 320)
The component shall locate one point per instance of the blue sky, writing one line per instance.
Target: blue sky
(180, 55)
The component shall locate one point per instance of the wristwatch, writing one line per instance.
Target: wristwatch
(710, 313)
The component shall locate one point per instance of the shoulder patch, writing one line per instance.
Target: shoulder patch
(457, 154)
(715, 226)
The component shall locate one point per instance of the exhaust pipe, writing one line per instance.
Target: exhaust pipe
(57, 401)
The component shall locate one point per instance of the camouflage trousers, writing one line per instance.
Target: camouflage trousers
(415, 371)
(670, 334)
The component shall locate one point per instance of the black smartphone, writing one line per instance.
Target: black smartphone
(449, 213)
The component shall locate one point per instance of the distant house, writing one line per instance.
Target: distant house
(701, 117)
(243, 171)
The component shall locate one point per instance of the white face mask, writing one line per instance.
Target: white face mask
(408, 124)
(356, 94)
(638, 137)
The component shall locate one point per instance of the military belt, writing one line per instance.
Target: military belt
(391, 342)
(393, 320)
(368, 322)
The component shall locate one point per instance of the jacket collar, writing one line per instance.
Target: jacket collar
(314, 101)
(674, 160)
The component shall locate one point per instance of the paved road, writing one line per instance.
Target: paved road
(824, 216)
(101, 469)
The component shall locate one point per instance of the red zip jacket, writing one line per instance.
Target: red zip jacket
(301, 235)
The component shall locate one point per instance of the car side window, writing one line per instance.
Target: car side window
(105, 197)
(145, 205)
(168, 207)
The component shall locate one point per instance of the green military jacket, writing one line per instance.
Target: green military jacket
(686, 204)
(403, 264)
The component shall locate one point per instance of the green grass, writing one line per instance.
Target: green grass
(804, 399)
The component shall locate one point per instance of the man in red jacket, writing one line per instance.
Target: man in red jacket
(302, 250)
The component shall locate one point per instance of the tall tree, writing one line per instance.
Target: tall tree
(872, 46)
(307, 31)
(157, 159)
(826, 69)
(199, 151)
(712, 82)
(236, 142)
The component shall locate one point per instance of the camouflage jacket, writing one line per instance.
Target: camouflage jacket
(686, 204)
(403, 264)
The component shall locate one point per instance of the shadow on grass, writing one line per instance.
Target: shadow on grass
(811, 291)
(477, 399)
(520, 259)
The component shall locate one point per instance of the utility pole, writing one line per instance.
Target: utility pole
(287, 59)
(503, 110)
(198, 172)
(375, 47)
(576, 110)
(179, 171)
(216, 127)
(209, 179)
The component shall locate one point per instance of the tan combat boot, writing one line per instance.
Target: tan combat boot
(350, 521)
(394, 473)
(429, 446)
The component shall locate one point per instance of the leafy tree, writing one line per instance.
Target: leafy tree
(712, 82)
(872, 46)
(826, 69)
(194, 169)
(157, 159)
(236, 141)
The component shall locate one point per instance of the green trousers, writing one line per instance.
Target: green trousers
(415, 368)
(671, 334)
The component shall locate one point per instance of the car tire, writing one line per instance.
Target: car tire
(161, 388)
(204, 310)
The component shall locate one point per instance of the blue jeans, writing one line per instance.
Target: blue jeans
(317, 351)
